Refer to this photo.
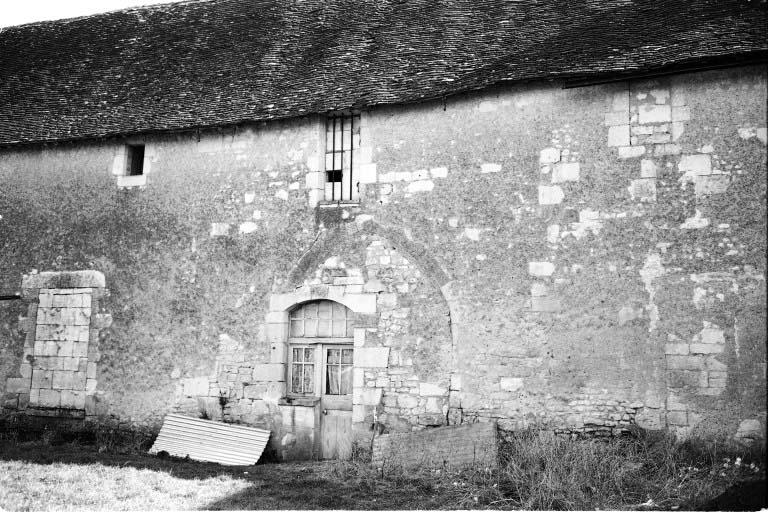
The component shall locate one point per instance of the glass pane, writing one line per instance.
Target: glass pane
(310, 328)
(309, 355)
(346, 162)
(337, 161)
(346, 356)
(332, 380)
(324, 328)
(309, 378)
(346, 380)
(296, 378)
(339, 310)
(339, 328)
(328, 161)
(333, 356)
(297, 328)
(297, 353)
(324, 309)
(310, 310)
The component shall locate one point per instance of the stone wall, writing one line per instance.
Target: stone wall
(576, 259)
(472, 445)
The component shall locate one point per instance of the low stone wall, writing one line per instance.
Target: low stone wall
(444, 447)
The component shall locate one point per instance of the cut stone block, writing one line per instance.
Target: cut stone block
(648, 169)
(371, 357)
(626, 152)
(711, 184)
(272, 372)
(549, 156)
(430, 389)
(643, 189)
(655, 114)
(511, 383)
(541, 268)
(695, 165)
(618, 135)
(565, 172)
(367, 396)
(550, 194)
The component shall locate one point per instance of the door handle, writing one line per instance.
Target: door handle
(325, 412)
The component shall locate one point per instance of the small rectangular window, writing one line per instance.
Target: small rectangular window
(342, 138)
(134, 160)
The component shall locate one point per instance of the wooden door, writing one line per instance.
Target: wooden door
(336, 402)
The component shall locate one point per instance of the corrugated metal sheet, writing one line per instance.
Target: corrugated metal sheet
(211, 441)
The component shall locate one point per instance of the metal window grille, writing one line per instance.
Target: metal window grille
(342, 138)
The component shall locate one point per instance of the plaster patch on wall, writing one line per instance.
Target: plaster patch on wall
(652, 269)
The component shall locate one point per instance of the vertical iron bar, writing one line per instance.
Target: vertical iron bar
(341, 184)
(351, 153)
(333, 161)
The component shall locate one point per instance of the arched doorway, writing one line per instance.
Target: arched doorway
(320, 367)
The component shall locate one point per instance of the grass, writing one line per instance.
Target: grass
(534, 472)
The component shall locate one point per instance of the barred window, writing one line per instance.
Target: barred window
(342, 138)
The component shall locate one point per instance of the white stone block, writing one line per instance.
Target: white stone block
(620, 101)
(695, 222)
(643, 189)
(472, 233)
(195, 386)
(549, 156)
(439, 172)
(541, 268)
(511, 383)
(710, 335)
(132, 181)
(631, 151)
(553, 233)
(565, 172)
(366, 396)
(550, 194)
(655, 114)
(359, 334)
(421, 186)
(431, 389)
(371, 357)
(219, 229)
(367, 173)
(488, 168)
(681, 114)
(272, 372)
(618, 135)
(616, 118)
(314, 180)
(647, 169)
(360, 302)
(282, 194)
(695, 165)
(248, 227)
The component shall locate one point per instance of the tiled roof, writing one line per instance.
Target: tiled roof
(219, 62)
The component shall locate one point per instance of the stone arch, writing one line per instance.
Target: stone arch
(436, 382)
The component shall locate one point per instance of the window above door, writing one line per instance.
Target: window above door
(320, 350)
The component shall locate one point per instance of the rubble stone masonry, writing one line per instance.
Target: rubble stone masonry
(579, 260)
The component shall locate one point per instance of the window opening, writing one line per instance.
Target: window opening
(303, 370)
(135, 160)
(338, 371)
(342, 138)
(321, 353)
